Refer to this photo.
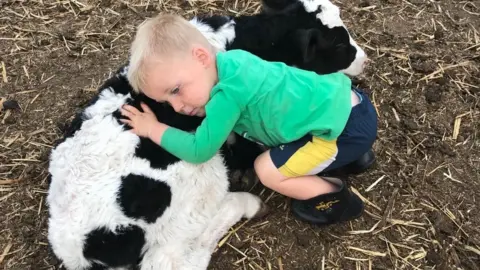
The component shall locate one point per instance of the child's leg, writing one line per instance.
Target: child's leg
(296, 177)
(291, 169)
(314, 199)
(359, 134)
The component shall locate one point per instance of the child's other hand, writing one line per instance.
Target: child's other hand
(142, 123)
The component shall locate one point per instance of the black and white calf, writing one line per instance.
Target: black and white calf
(308, 34)
(118, 201)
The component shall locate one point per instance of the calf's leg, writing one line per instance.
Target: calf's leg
(235, 206)
(161, 257)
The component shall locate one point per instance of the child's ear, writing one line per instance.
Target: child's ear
(202, 55)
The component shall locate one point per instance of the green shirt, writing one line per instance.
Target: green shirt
(267, 102)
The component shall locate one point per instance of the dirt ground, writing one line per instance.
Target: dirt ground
(424, 78)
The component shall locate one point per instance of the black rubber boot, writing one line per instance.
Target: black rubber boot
(357, 167)
(362, 164)
(329, 208)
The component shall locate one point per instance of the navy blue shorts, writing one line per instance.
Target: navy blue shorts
(311, 155)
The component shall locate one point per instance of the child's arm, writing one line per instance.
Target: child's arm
(221, 115)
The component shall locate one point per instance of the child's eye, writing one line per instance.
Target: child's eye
(175, 90)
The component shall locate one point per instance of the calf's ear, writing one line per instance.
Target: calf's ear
(309, 42)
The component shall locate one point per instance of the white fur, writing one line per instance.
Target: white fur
(220, 38)
(86, 174)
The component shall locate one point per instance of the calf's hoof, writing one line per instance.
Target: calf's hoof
(249, 180)
(243, 180)
(262, 212)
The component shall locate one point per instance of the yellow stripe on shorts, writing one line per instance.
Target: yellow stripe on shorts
(311, 158)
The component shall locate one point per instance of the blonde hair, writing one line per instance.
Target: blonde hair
(164, 35)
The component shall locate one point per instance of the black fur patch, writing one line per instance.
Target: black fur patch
(159, 158)
(241, 155)
(122, 248)
(119, 84)
(272, 7)
(144, 198)
(272, 36)
(97, 266)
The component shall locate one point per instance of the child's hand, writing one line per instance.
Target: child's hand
(142, 123)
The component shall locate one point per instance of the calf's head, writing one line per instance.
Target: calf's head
(318, 40)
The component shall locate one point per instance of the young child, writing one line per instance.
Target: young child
(308, 121)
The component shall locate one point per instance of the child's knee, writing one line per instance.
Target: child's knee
(266, 171)
(259, 167)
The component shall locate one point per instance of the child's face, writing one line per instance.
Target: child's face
(184, 82)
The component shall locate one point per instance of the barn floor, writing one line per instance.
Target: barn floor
(421, 198)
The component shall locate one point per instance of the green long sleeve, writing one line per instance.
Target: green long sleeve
(221, 115)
